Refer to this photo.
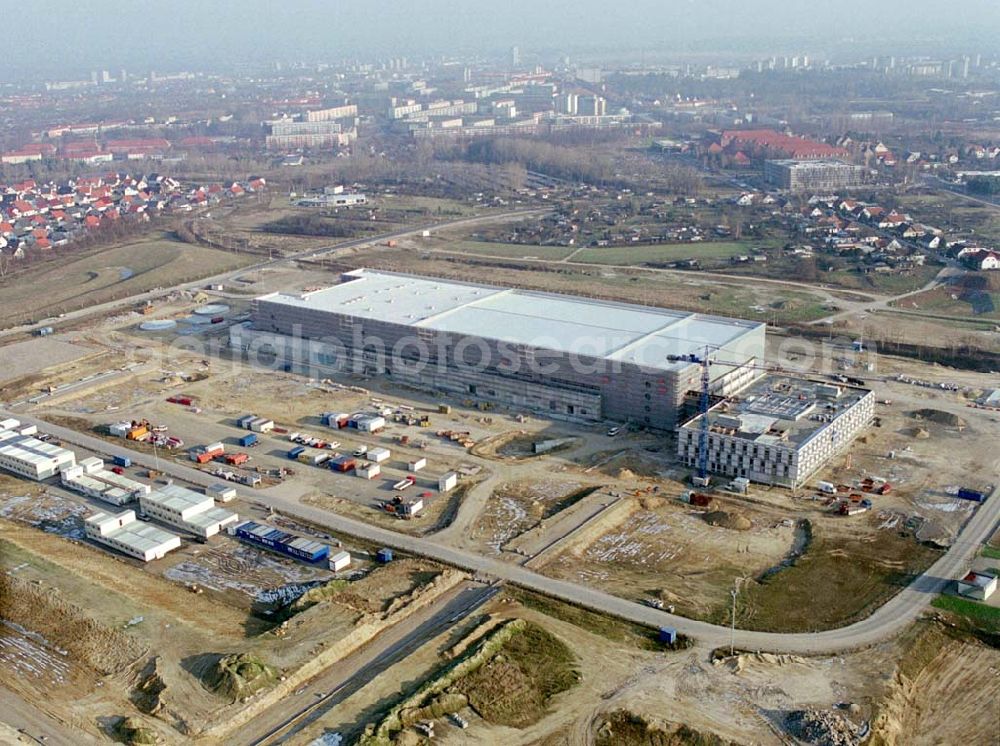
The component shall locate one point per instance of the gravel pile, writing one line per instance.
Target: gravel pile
(821, 728)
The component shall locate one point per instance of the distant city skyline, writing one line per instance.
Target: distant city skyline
(195, 35)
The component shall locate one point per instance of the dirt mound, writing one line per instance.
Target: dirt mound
(938, 417)
(132, 731)
(625, 474)
(920, 433)
(821, 728)
(239, 676)
(732, 521)
(147, 695)
(624, 728)
(515, 685)
(442, 705)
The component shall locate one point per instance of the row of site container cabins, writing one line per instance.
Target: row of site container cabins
(297, 547)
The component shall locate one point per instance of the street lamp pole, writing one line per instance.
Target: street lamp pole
(732, 629)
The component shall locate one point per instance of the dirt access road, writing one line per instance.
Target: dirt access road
(887, 621)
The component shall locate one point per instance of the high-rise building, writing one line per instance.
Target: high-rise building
(515, 56)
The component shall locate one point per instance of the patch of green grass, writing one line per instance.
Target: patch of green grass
(661, 253)
(836, 582)
(514, 687)
(79, 278)
(979, 615)
(506, 250)
(991, 552)
(616, 630)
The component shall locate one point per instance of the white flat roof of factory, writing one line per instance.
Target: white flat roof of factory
(644, 335)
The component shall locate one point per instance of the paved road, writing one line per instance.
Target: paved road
(358, 669)
(886, 622)
(229, 275)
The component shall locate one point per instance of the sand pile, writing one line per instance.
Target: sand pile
(733, 521)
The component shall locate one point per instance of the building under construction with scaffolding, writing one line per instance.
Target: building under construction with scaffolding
(568, 357)
(780, 430)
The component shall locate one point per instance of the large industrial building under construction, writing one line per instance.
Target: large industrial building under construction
(781, 430)
(569, 357)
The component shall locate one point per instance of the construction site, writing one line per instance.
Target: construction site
(385, 575)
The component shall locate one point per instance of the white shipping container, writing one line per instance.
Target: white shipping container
(368, 471)
(447, 482)
(378, 455)
(340, 561)
(262, 425)
(414, 507)
(417, 465)
(371, 424)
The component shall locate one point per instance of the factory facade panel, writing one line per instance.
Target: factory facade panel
(568, 357)
(781, 430)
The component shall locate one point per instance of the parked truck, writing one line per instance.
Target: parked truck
(405, 483)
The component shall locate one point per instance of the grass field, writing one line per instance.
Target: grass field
(975, 295)
(991, 553)
(954, 213)
(836, 582)
(979, 615)
(511, 250)
(90, 278)
(888, 284)
(617, 630)
(514, 687)
(663, 253)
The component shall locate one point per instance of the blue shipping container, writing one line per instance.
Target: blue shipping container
(384, 555)
(668, 635)
(974, 495)
(282, 542)
(248, 440)
(296, 452)
(123, 461)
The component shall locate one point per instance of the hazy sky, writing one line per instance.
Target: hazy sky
(70, 35)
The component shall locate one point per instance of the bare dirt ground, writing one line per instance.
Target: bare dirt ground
(740, 699)
(158, 611)
(667, 551)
